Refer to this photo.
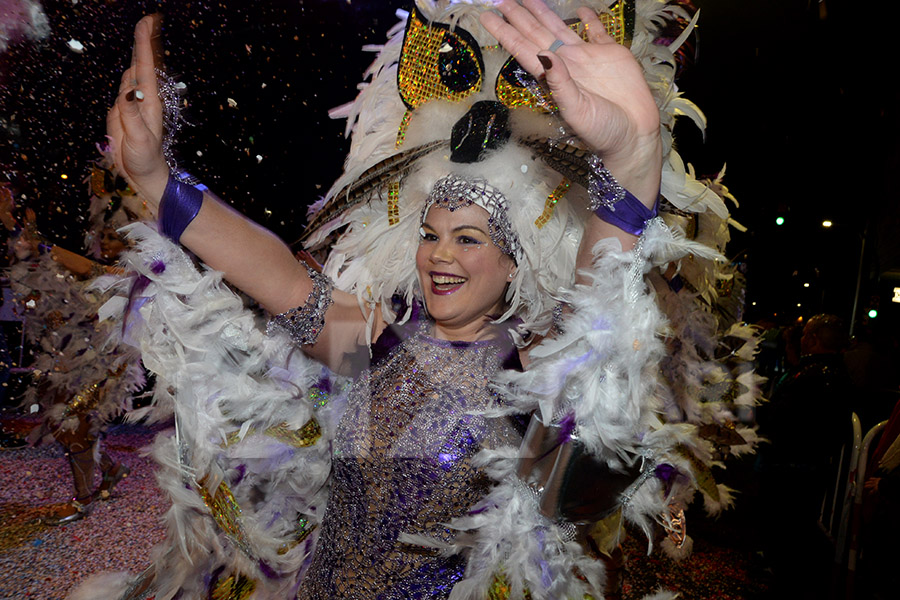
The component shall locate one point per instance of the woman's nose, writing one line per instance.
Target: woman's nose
(441, 252)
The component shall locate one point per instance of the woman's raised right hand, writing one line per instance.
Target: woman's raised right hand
(134, 124)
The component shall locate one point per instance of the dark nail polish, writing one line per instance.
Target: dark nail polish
(130, 96)
(545, 62)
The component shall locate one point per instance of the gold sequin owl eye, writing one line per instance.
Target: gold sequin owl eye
(437, 63)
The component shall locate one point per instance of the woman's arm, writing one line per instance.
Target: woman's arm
(80, 266)
(252, 258)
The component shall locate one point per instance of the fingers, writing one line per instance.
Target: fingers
(128, 81)
(527, 30)
(596, 30)
(540, 25)
(143, 56)
(566, 93)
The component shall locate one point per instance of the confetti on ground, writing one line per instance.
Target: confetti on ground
(39, 561)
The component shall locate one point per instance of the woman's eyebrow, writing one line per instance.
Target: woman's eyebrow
(475, 227)
(458, 228)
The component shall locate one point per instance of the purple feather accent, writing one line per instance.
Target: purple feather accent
(140, 284)
(241, 472)
(546, 580)
(566, 428)
(268, 571)
(667, 474)
(157, 267)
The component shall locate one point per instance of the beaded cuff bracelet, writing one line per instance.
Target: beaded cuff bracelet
(305, 323)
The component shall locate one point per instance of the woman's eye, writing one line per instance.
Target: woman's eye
(464, 239)
(426, 236)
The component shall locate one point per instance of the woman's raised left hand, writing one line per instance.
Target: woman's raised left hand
(598, 86)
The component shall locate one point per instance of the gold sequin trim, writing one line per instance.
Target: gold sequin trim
(501, 590)
(551, 201)
(233, 587)
(404, 125)
(226, 513)
(98, 182)
(517, 96)
(304, 528)
(84, 400)
(393, 203)
(304, 437)
(527, 92)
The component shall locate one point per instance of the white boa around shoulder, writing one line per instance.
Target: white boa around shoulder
(246, 467)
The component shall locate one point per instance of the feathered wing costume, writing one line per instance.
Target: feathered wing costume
(636, 394)
(78, 369)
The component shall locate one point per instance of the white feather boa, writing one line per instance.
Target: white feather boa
(229, 386)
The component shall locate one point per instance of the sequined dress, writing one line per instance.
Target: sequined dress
(402, 463)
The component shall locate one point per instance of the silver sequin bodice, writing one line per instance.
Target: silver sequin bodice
(402, 464)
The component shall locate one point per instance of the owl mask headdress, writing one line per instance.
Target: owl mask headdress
(444, 99)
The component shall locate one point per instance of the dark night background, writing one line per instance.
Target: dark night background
(797, 109)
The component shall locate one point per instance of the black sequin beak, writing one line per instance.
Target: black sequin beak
(485, 127)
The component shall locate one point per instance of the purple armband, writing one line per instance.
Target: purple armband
(614, 204)
(179, 206)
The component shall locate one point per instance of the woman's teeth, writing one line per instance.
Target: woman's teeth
(446, 280)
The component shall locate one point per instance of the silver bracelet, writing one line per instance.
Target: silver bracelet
(603, 189)
(614, 204)
(305, 323)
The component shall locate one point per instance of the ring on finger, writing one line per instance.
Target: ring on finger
(556, 45)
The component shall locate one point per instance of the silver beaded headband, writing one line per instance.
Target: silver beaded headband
(456, 191)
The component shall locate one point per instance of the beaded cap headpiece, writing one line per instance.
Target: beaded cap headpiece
(456, 191)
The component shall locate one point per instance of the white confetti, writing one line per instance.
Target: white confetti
(75, 46)
(232, 103)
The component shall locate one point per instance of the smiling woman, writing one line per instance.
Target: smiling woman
(480, 178)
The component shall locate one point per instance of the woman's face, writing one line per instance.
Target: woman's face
(462, 273)
(111, 245)
(24, 247)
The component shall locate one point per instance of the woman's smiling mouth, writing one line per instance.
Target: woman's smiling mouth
(445, 283)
